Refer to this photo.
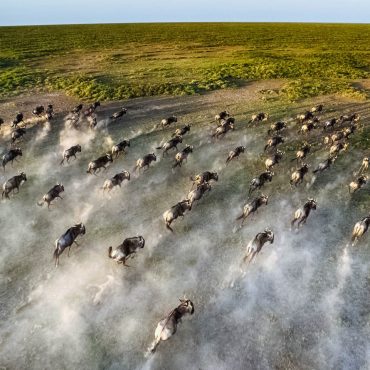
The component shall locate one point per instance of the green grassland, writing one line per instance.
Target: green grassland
(119, 61)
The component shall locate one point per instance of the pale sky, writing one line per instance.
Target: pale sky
(21, 12)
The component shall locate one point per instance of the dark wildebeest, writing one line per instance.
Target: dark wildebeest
(10, 156)
(126, 250)
(145, 161)
(347, 132)
(17, 120)
(49, 111)
(97, 164)
(317, 108)
(355, 117)
(360, 229)
(235, 153)
(197, 193)
(364, 166)
(182, 156)
(305, 116)
(181, 131)
(259, 117)
(118, 115)
(302, 153)
(274, 142)
(307, 127)
(322, 166)
(120, 148)
(222, 115)
(168, 325)
(252, 207)
(255, 245)
(331, 139)
(67, 239)
(17, 134)
(174, 212)
(258, 182)
(276, 127)
(357, 184)
(330, 123)
(53, 193)
(302, 214)
(168, 121)
(203, 177)
(170, 144)
(273, 160)
(12, 184)
(89, 111)
(225, 126)
(226, 121)
(116, 180)
(338, 148)
(298, 174)
(71, 152)
(38, 111)
(77, 109)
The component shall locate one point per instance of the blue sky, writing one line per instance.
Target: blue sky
(20, 12)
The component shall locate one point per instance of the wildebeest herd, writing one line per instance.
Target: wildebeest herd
(337, 131)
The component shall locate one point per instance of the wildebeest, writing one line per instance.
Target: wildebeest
(322, 166)
(71, 152)
(259, 117)
(276, 127)
(226, 125)
(174, 212)
(182, 156)
(168, 121)
(302, 152)
(357, 184)
(331, 139)
(92, 108)
(305, 116)
(197, 193)
(235, 153)
(222, 115)
(330, 123)
(97, 164)
(253, 206)
(118, 115)
(77, 109)
(360, 229)
(10, 156)
(255, 245)
(259, 181)
(116, 180)
(203, 177)
(338, 148)
(145, 161)
(364, 166)
(120, 148)
(302, 214)
(17, 134)
(274, 142)
(53, 193)
(354, 117)
(273, 160)
(349, 131)
(17, 120)
(49, 111)
(12, 184)
(307, 127)
(317, 108)
(181, 131)
(298, 175)
(67, 239)
(168, 325)
(126, 250)
(170, 144)
(39, 110)
(226, 121)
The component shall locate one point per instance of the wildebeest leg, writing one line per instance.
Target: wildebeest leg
(168, 225)
(69, 249)
(76, 243)
(292, 223)
(301, 221)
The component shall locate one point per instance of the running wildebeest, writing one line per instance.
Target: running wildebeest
(276, 127)
(302, 214)
(273, 160)
(120, 148)
(338, 148)
(222, 115)
(349, 131)
(330, 123)
(235, 153)
(174, 212)
(38, 111)
(317, 108)
(307, 127)
(322, 166)
(197, 193)
(181, 131)
(145, 161)
(67, 239)
(298, 174)
(71, 152)
(89, 111)
(12, 184)
(17, 120)
(10, 156)
(203, 177)
(252, 207)
(364, 166)
(274, 142)
(259, 117)
(255, 245)
(168, 121)
(53, 193)
(77, 109)
(305, 116)
(49, 111)
(357, 184)
(118, 115)
(17, 134)
(170, 144)
(258, 182)
(360, 229)
(97, 164)
(116, 180)
(355, 117)
(302, 153)
(168, 325)
(92, 120)
(182, 156)
(226, 121)
(223, 128)
(331, 139)
(126, 250)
